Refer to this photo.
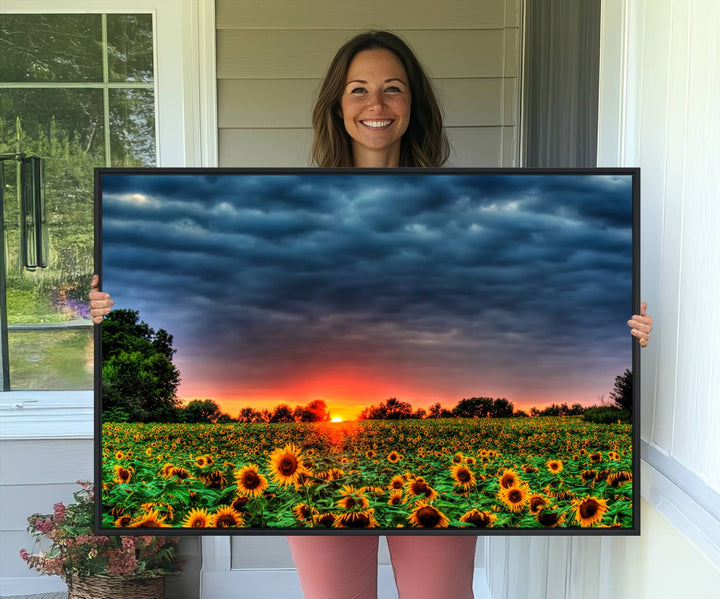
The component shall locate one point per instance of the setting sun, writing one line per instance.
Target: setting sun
(336, 419)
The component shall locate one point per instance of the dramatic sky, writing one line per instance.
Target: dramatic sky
(354, 288)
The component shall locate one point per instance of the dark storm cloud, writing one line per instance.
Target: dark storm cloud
(264, 267)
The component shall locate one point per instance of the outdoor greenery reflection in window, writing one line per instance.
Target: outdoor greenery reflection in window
(77, 90)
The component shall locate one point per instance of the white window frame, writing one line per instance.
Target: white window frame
(186, 130)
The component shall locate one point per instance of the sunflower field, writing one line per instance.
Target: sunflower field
(433, 473)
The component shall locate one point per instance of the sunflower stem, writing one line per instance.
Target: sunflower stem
(309, 503)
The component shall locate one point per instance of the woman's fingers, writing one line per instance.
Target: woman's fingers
(100, 302)
(641, 325)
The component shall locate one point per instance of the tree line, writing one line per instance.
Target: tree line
(140, 385)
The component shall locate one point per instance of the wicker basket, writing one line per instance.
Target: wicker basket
(116, 587)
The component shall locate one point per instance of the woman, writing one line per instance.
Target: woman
(377, 108)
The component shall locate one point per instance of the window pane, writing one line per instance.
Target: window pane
(50, 333)
(53, 121)
(130, 47)
(132, 127)
(50, 48)
(52, 360)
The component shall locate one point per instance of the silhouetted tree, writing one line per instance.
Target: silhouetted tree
(622, 393)
(282, 413)
(201, 410)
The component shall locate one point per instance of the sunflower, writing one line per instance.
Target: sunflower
(536, 503)
(123, 521)
(527, 469)
(286, 464)
(419, 487)
(325, 520)
(119, 455)
(371, 453)
(596, 457)
(181, 473)
(509, 479)
(353, 499)
(395, 498)
(463, 476)
(331, 474)
(470, 461)
(122, 474)
(150, 519)
(561, 494)
(618, 478)
(397, 483)
(588, 475)
(373, 490)
(458, 458)
(226, 517)
(214, 480)
(602, 475)
(478, 518)
(554, 466)
(364, 519)
(200, 461)
(164, 509)
(550, 518)
(249, 481)
(197, 518)
(239, 503)
(304, 513)
(589, 511)
(394, 457)
(514, 498)
(427, 516)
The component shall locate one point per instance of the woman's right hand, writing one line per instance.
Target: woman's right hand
(100, 302)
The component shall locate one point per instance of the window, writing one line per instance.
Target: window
(78, 91)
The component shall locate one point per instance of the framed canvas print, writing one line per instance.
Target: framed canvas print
(329, 351)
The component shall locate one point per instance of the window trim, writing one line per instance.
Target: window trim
(184, 37)
(186, 129)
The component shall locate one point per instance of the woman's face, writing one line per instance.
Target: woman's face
(375, 107)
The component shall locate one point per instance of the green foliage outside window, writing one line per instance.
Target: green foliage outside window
(81, 89)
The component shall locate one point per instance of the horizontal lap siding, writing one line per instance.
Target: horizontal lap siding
(271, 59)
(34, 475)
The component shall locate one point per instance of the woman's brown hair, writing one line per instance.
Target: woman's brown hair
(423, 144)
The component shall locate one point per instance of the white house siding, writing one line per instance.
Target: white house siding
(659, 87)
(271, 58)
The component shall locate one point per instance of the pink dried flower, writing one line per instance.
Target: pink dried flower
(59, 512)
(128, 542)
(44, 526)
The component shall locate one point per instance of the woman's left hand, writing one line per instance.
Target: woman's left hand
(641, 325)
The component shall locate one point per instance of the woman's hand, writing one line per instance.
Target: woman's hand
(100, 303)
(641, 325)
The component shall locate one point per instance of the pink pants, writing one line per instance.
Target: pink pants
(346, 567)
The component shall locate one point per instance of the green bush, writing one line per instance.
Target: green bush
(606, 415)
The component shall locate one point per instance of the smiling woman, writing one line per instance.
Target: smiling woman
(377, 107)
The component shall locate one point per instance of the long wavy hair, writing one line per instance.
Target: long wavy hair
(423, 144)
